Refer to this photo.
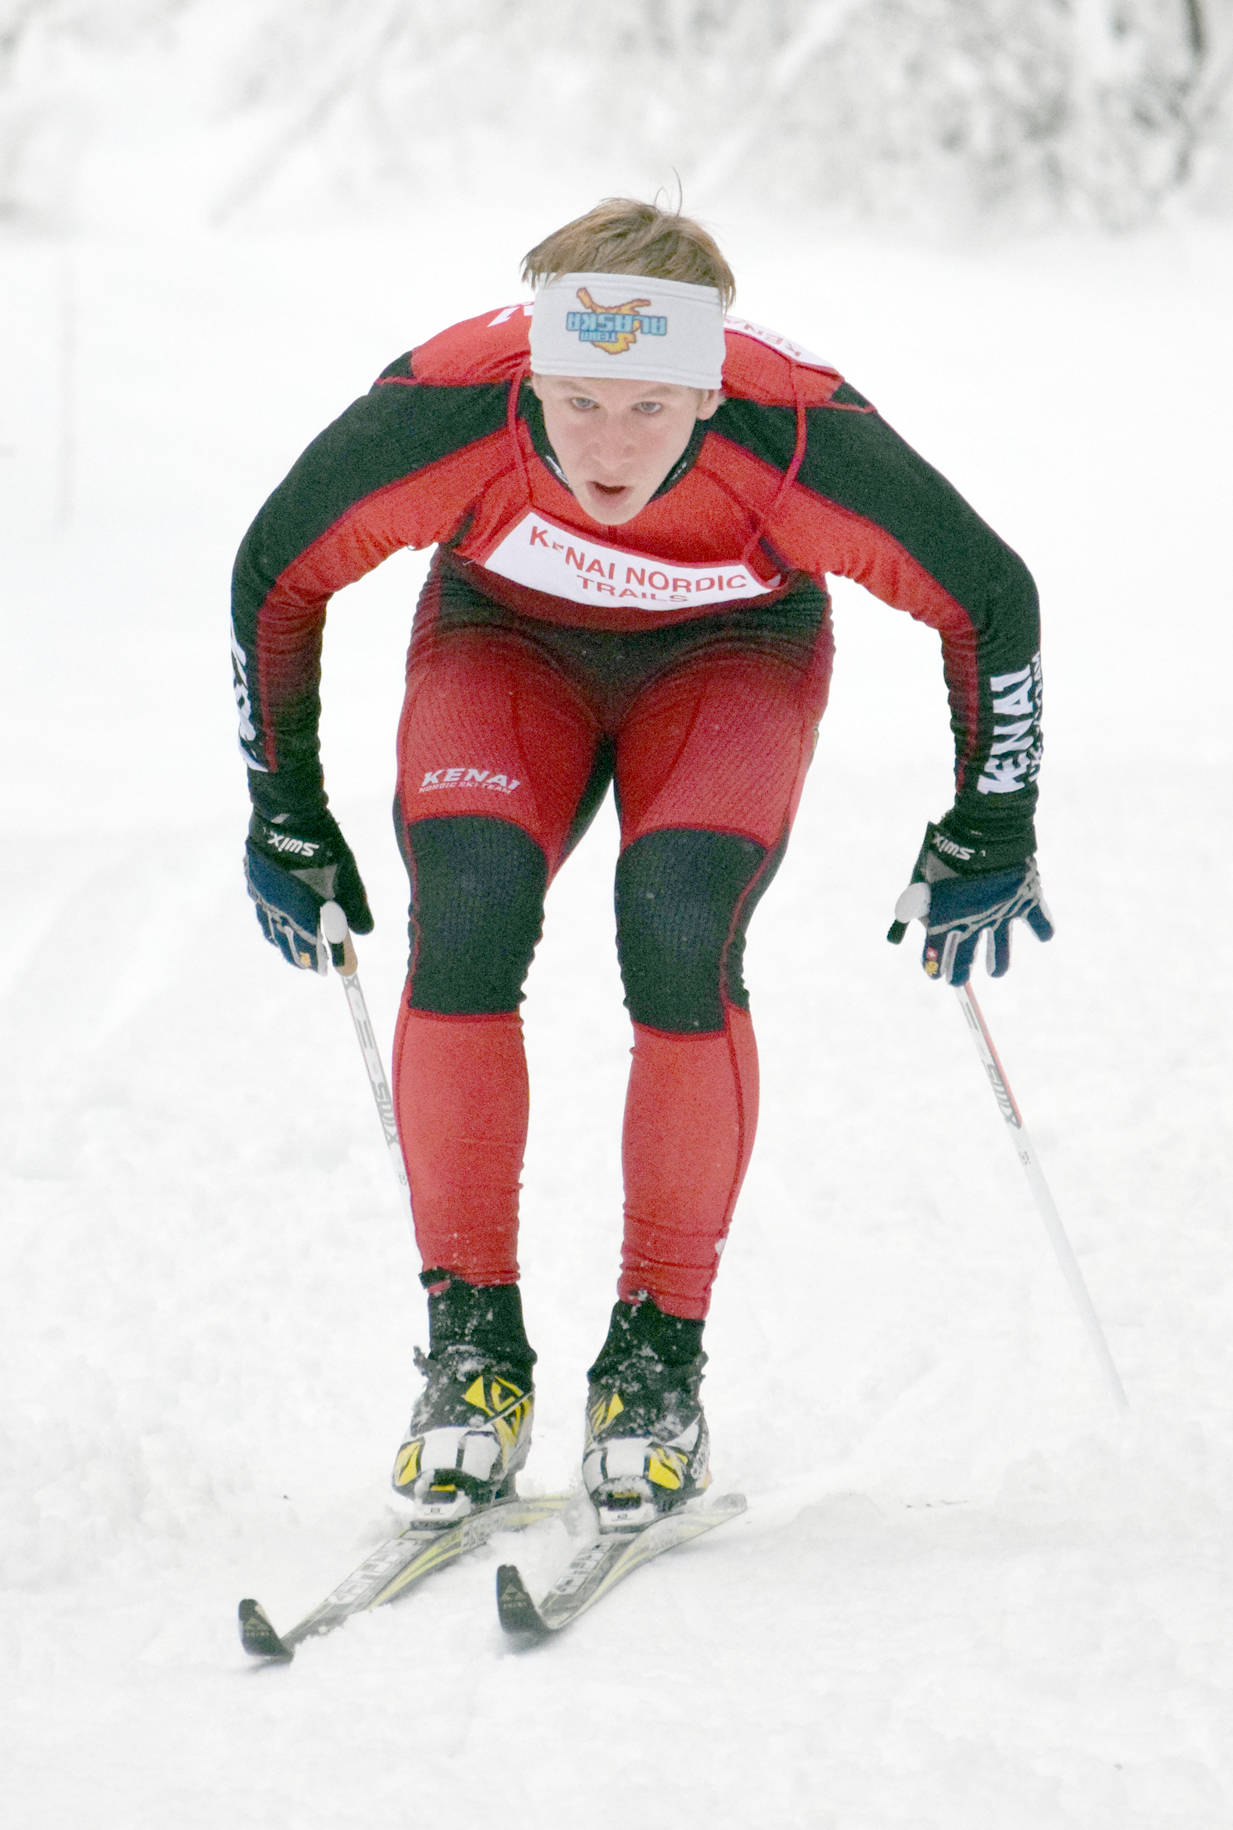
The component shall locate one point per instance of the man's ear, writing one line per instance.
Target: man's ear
(709, 404)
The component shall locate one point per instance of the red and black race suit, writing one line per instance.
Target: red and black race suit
(683, 657)
(796, 476)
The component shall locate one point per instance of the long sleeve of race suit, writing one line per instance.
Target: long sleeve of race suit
(851, 499)
(337, 514)
(885, 518)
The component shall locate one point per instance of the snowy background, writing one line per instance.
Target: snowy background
(967, 1594)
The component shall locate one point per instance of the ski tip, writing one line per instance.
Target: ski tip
(257, 1635)
(518, 1614)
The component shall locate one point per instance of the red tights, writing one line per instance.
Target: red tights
(690, 1116)
(501, 746)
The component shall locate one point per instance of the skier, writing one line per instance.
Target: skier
(635, 503)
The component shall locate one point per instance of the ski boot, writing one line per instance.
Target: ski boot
(647, 1444)
(470, 1430)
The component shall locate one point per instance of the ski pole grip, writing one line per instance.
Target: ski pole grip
(912, 905)
(338, 938)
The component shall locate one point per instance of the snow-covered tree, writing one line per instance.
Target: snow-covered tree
(1029, 110)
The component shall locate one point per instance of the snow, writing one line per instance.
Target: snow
(966, 1592)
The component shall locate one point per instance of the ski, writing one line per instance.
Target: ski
(598, 1566)
(391, 1569)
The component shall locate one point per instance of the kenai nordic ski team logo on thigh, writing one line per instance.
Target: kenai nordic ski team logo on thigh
(614, 328)
(489, 779)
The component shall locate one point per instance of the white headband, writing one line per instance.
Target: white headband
(627, 326)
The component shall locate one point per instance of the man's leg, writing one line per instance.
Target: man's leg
(496, 752)
(709, 774)
(496, 755)
(710, 765)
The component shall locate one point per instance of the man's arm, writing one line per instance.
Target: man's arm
(368, 485)
(894, 524)
(386, 474)
(907, 535)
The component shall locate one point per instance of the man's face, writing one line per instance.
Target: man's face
(616, 441)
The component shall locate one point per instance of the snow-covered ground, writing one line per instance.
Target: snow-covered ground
(966, 1593)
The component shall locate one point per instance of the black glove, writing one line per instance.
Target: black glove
(962, 888)
(293, 864)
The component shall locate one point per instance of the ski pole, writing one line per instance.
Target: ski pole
(1045, 1203)
(338, 937)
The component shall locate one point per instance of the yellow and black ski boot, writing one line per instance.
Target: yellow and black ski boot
(647, 1443)
(470, 1430)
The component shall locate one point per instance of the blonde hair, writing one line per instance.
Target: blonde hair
(621, 235)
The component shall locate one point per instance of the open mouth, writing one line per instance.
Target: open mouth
(610, 490)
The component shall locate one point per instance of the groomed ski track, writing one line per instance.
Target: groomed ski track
(964, 1597)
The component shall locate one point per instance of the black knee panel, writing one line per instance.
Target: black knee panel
(477, 908)
(683, 901)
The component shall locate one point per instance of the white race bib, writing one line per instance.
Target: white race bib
(542, 554)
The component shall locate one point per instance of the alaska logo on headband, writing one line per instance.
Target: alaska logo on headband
(614, 328)
(630, 325)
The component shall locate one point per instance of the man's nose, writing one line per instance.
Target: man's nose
(613, 439)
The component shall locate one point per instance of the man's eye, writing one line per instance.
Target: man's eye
(649, 406)
(581, 402)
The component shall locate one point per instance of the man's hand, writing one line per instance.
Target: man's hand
(293, 864)
(958, 898)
